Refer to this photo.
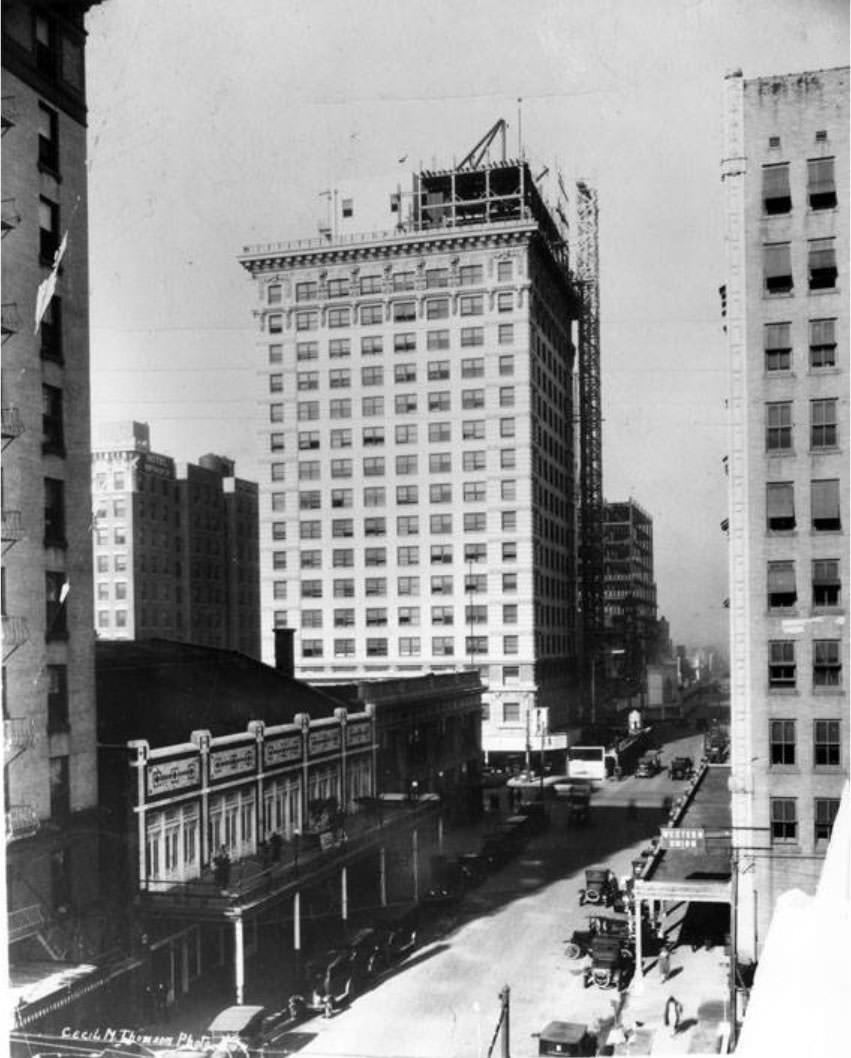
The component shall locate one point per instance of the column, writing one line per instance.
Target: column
(344, 893)
(639, 957)
(440, 833)
(297, 920)
(416, 864)
(382, 876)
(238, 958)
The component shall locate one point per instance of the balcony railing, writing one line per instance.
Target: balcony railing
(10, 318)
(18, 735)
(13, 425)
(11, 218)
(12, 527)
(15, 633)
(21, 822)
(10, 112)
(25, 922)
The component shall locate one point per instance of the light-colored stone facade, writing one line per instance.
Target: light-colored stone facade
(785, 172)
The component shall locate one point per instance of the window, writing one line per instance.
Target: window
(776, 197)
(475, 491)
(475, 582)
(311, 648)
(375, 556)
(371, 345)
(823, 423)
(342, 527)
(344, 618)
(308, 440)
(273, 294)
(504, 271)
(275, 322)
(476, 644)
(471, 305)
(54, 513)
(408, 586)
(375, 526)
(306, 351)
(509, 582)
(442, 615)
(507, 459)
(48, 229)
(340, 378)
(509, 613)
(507, 427)
(50, 329)
(778, 347)
(46, 52)
(827, 752)
(441, 585)
(374, 496)
(406, 434)
(505, 301)
(825, 505)
(279, 560)
(827, 666)
(505, 334)
(344, 589)
(342, 558)
(782, 593)
(437, 340)
(474, 460)
(373, 435)
(408, 615)
(52, 428)
(48, 138)
(279, 501)
(306, 410)
(436, 278)
(405, 373)
(777, 267)
(279, 530)
(821, 188)
(822, 343)
(56, 624)
(372, 376)
(376, 616)
(475, 522)
(407, 525)
(438, 370)
(276, 383)
(308, 501)
(781, 739)
(440, 401)
(276, 355)
(276, 442)
(375, 587)
(403, 281)
(404, 343)
(443, 646)
(408, 556)
(471, 275)
(339, 347)
(371, 406)
(338, 288)
(784, 820)
(406, 494)
(440, 493)
(821, 264)
(308, 291)
(311, 589)
(405, 403)
(508, 489)
(510, 644)
(60, 788)
(310, 530)
(340, 408)
(57, 698)
(473, 430)
(306, 321)
(406, 464)
(404, 310)
(826, 809)
(506, 396)
(341, 497)
(780, 506)
(371, 314)
(311, 618)
(344, 648)
(440, 523)
(409, 646)
(475, 552)
(341, 468)
(276, 413)
(826, 583)
(371, 284)
(473, 367)
(472, 336)
(437, 308)
(778, 426)
(509, 521)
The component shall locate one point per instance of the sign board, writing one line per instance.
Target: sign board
(170, 775)
(281, 750)
(235, 761)
(682, 838)
(325, 740)
(359, 734)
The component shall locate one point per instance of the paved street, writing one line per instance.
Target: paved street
(511, 930)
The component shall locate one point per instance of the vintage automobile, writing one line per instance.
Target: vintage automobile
(649, 764)
(243, 1022)
(681, 768)
(598, 925)
(601, 887)
(472, 868)
(579, 802)
(566, 1038)
(612, 963)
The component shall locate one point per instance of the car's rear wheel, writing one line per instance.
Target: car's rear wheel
(572, 950)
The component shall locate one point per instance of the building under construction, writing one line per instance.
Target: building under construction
(421, 507)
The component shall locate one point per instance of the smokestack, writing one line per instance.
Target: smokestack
(285, 651)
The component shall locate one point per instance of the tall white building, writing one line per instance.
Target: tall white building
(418, 507)
(785, 172)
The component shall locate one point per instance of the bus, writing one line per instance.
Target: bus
(587, 762)
(597, 763)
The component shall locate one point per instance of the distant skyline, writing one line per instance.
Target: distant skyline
(213, 125)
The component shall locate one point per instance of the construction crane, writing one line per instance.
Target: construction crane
(590, 424)
(474, 159)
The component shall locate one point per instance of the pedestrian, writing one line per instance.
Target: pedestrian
(275, 844)
(221, 868)
(673, 1013)
(631, 810)
(665, 962)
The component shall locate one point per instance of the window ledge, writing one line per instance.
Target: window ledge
(784, 692)
(827, 611)
(768, 296)
(787, 846)
(820, 372)
(49, 170)
(826, 769)
(834, 691)
(827, 450)
(56, 542)
(780, 453)
(819, 291)
(785, 533)
(783, 769)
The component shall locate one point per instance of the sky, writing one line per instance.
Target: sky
(214, 125)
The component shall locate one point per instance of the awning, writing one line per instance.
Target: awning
(39, 988)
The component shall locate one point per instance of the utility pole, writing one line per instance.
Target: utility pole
(734, 942)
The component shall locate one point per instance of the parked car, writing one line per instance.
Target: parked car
(649, 764)
(598, 925)
(601, 887)
(579, 802)
(242, 1022)
(612, 963)
(566, 1038)
(681, 768)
